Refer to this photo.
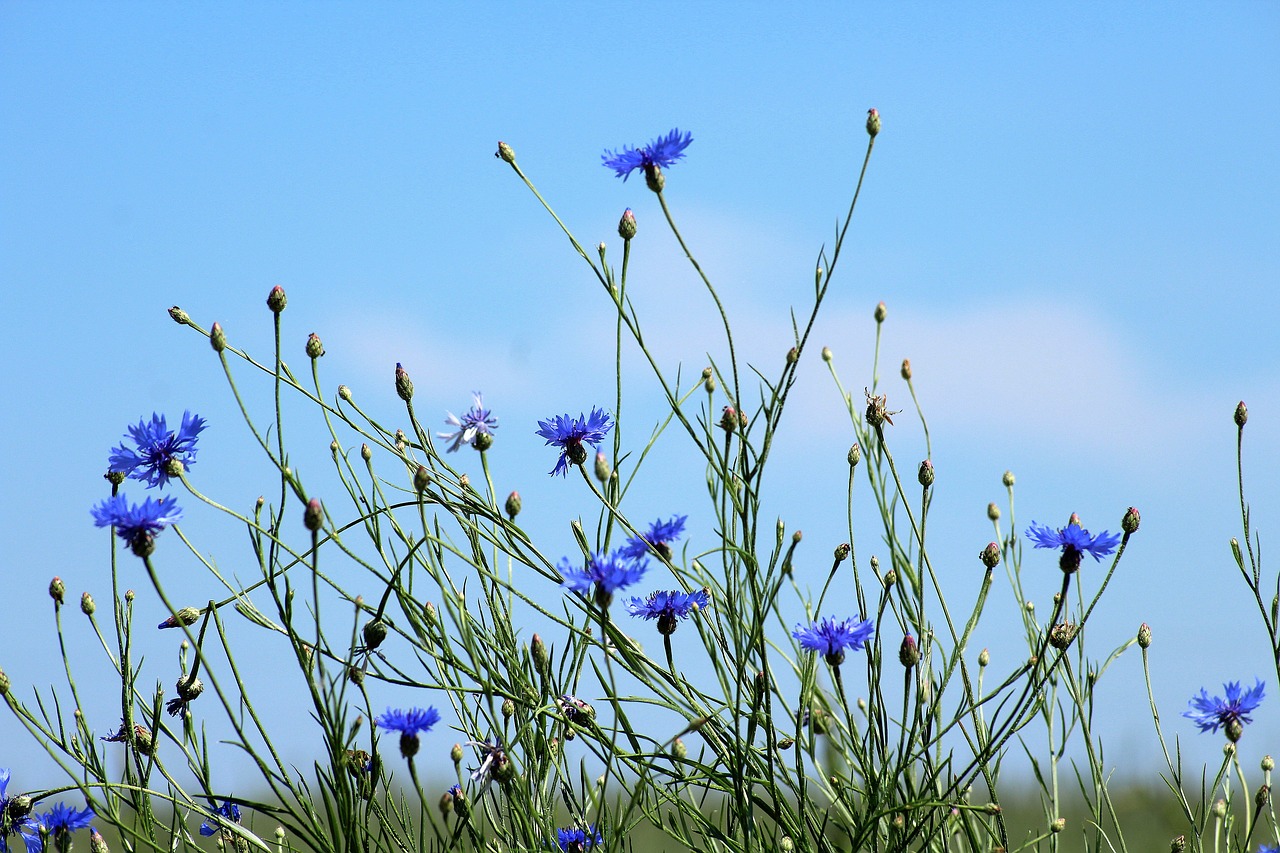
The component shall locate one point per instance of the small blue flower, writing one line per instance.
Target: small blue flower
(455, 791)
(661, 152)
(156, 446)
(575, 840)
(660, 535)
(477, 421)
(668, 607)
(1211, 712)
(410, 722)
(831, 638)
(609, 572)
(136, 523)
(62, 820)
(569, 434)
(228, 810)
(1074, 541)
(23, 824)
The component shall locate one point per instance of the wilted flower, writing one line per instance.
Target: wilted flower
(1212, 712)
(569, 434)
(157, 445)
(477, 421)
(228, 810)
(661, 152)
(660, 535)
(831, 638)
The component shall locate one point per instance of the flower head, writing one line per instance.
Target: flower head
(62, 820)
(1211, 712)
(668, 607)
(494, 764)
(569, 434)
(659, 536)
(1074, 541)
(477, 421)
(609, 573)
(832, 638)
(228, 810)
(136, 524)
(157, 446)
(576, 840)
(15, 816)
(661, 152)
(409, 723)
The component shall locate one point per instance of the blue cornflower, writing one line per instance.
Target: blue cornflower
(832, 638)
(476, 422)
(668, 607)
(1211, 712)
(409, 723)
(660, 153)
(62, 820)
(609, 572)
(14, 819)
(569, 434)
(660, 535)
(576, 840)
(1074, 541)
(136, 524)
(156, 446)
(228, 810)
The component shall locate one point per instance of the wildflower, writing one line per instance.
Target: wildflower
(228, 810)
(609, 572)
(659, 536)
(62, 820)
(668, 607)
(569, 434)
(141, 737)
(409, 724)
(832, 638)
(476, 422)
(494, 765)
(575, 840)
(1212, 713)
(136, 524)
(1074, 541)
(15, 815)
(660, 153)
(157, 446)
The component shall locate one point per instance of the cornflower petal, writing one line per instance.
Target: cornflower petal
(662, 152)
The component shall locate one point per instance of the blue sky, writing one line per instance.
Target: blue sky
(1071, 213)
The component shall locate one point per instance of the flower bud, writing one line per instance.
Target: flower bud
(873, 122)
(57, 590)
(314, 347)
(456, 753)
(993, 511)
(4, 683)
(786, 845)
(217, 338)
(344, 393)
(1241, 415)
(1262, 797)
(908, 653)
(729, 419)
(508, 709)
(179, 316)
(1131, 520)
(602, 470)
(189, 687)
(446, 803)
(1268, 763)
(990, 555)
(421, 479)
(97, 844)
(538, 651)
(842, 552)
(881, 312)
(375, 631)
(1058, 825)
(984, 657)
(87, 607)
(504, 153)
(906, 369)
(513, 505)
(1061, 635)
(185, 616)
(1178, 844)
(276, 299)
(404, 385)
(365, 453)
(1220, 809)
(313, 516)
(627, 225)
(1007, 479)
(1144, 636)
(678, 750)
(925, 475)
(793, 355)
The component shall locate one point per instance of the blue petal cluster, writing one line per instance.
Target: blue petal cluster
(660, 533)
(228, 810)
(661, 152)
(671, 605)
(156, 445)
(477, 420)
(831, 638)
(136, 521)
(1211, 713)
(62, 820)
(410, 722)
(569, 433)
(609, 572)
(1073, 537)
(26, 826)
(575, 840)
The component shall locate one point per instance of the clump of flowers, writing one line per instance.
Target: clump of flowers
(659, 537)
(1074, 541)
(831, 637)
(569, 434)
(1211, 713)
(608, 572)
(15, 816)
(137, 524)
(409, 723)
(658, 154)
(476, 422)
(669, 607)
(156, 447)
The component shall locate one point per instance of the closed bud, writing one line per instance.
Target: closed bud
(314, 347)
(508, 709)
(4, 683)
(793, 355)
(538, 651)
(602, 469)
(786, 845)
(375, 631)
(217, 338)
(881, 312)
(842, 552)
(421, 479)
(185, 616)
(729, 419)
(1131, 520)
(1007, 479)
(1262, 797)
(873, 122)
(925, 475)
(355, 675)
(906, 369)
(1268, 763)
(313, 515)
(87, 607)
(365, 453)
(57, 590)
(827, 354)
(1058, 825)
(627, 225)
(984, 657)
(992, 808)
(797, 536)
(276, 299)
(1144, 635)
(786, 743)
(890, 578)
(854, 456)
(179, 316)
(504, 153)
(1178, 844)
(455, 754)
(97, 844)
(1241, 415)
(513, 505)
(446, 803)
(1220, 808)
(993, 511)
(404, 385)
(679, 750)
(908, 653)
(344, 393)
(990, 555)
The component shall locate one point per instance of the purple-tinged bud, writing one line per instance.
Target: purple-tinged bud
(276, 299)
(796, 537)
(514, 505)
(57, 590)
(97, 844)
(217, 337)
(185, 616)
(87, 606)
(827, 354)
(925, 475)
(421, 479)
(1007, 479)
(375, 631)
(627, 225)
(315, 348)
(842, 552)
(404, 385)
(990, 555)
(602, 468)
(313, 516)
(890, 578)
(908, 653)
(881, 312)
(906, 369)
(456, 754)
(793, 355)
(1241, 415)
(504, 153)
(873, 122)
(1074, 519)
(729, 419)
(1144, 636)
(854, 456)
(179, 316)
(1131, 520)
